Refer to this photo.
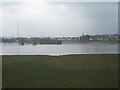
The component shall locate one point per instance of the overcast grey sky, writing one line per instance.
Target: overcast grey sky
(59, 18)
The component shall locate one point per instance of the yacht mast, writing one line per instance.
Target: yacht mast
(17, 29)
(18, 38)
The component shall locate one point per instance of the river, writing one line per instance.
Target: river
(64, 49)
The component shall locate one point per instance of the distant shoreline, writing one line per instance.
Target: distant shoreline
(73, 42)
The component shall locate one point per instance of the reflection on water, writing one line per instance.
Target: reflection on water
(81, 48)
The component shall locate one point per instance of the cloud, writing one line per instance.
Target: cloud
(59, 19)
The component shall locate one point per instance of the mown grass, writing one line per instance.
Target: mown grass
(70, 71)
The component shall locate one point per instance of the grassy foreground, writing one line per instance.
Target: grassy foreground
(70, 71)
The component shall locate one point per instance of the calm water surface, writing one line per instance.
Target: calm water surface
(81, 48)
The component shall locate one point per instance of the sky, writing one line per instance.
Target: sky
(54, 19)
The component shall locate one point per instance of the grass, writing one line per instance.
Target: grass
(70, 71)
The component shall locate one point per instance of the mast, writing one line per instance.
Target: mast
(18, 38)
(17, 29)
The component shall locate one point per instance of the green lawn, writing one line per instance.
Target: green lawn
(70, 71)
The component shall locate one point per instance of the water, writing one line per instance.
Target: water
(64, 49)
